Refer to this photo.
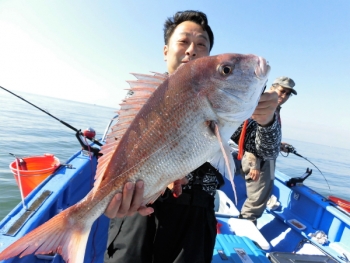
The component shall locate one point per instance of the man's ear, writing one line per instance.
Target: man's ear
(165, 52)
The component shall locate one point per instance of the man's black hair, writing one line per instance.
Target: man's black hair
(194, 16)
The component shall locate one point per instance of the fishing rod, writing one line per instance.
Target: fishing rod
(89, 134)
(291, 149)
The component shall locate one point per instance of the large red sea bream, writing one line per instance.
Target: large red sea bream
(170, 126)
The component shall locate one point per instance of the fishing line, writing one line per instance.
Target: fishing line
(63, 122)
(291, 149)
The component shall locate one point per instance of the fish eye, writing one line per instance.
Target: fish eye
(225, 70)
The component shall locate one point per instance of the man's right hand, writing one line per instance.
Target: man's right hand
(284, 147)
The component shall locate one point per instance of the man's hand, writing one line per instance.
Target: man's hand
(264, 112)
(284, 147)
(176, 187)
(129, 202)
(254, 174)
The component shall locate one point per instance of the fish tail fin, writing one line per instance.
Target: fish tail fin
(62, 234)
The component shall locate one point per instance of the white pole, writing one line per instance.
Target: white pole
(20, 184)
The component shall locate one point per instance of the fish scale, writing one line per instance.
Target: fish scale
(160, 137)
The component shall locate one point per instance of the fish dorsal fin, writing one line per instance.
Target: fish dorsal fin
(156, 77)
(141, 89)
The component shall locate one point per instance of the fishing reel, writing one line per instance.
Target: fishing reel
(290, 149)
(89, 133)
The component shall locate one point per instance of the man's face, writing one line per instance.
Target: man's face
(188, 41)
(283, 94)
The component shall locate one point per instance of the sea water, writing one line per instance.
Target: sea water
(27, 131)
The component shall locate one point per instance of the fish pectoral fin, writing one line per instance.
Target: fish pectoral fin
(60, 234)
(223, 160)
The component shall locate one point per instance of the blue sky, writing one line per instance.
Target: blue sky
(85, 50)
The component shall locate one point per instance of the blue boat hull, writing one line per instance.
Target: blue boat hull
(301, 212)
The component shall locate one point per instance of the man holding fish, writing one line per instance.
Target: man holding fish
(182, 230)
(170, 126)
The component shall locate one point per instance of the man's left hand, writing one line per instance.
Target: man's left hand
(176, 187)
(264, 112)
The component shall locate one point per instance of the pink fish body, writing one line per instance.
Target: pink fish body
(166, 129)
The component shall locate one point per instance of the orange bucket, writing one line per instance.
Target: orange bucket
(38, 168)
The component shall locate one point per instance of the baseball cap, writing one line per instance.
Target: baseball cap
(286, 82)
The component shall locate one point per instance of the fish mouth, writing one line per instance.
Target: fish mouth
(262, 69)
